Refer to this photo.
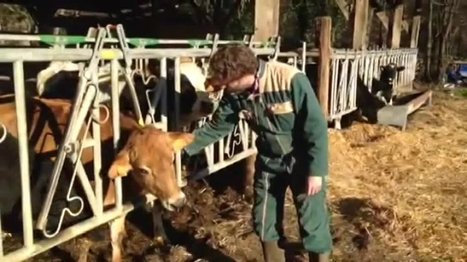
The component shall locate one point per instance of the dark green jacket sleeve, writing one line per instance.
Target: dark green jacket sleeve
(315, 126)
(222, 123)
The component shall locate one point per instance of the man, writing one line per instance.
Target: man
(279, 104)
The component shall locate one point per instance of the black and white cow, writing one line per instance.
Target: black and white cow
(382, 94)
(384, 87)
(60, 80)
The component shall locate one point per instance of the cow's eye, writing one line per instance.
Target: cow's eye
(144, 170)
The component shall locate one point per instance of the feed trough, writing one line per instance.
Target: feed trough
(397, 114)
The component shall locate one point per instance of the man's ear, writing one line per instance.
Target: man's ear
(121, 165)
(180, 140)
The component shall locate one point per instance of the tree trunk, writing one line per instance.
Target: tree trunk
(429, 43)
(445, 37)
(303, 18)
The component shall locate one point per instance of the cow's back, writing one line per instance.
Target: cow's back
(46, 122)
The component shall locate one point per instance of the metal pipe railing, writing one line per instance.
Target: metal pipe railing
(75, 230)
(365, 64)
(46, 54)
(20, 101)
(114, 66)
(77, 39)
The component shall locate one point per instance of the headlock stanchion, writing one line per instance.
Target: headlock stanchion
(158, 96)
(86, 93)
(343, 86)
(85, 114)
(18, 76)
(347, 66)
(127, 68)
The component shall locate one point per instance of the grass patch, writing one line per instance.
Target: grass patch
(461, 92)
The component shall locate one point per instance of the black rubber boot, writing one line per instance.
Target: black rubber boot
(315, 257)
(272, 252)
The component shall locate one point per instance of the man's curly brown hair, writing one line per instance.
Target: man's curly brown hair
(230, 63)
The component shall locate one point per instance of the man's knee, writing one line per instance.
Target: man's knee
(268, 199)
(264, 218)
(314, 223)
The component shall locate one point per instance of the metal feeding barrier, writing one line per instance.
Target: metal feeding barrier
(94, 52)
(349, 65)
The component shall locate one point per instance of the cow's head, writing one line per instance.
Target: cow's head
(196, 103)
(148, 157)
(57, 72)
(389, 72)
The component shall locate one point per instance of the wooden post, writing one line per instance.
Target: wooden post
(266, 19)
(360, 27)
(395, 26)
(325, 25)
(415, 32)
(371, 12)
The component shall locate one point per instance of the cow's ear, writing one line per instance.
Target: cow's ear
(180, 140)
(381, 68)
(121, 165)
(400, 68)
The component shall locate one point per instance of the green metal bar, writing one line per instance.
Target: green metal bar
(62, 40)
(68, 54)
(138, 42)
(142, 42)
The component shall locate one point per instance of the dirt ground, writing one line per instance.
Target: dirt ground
(394, 196)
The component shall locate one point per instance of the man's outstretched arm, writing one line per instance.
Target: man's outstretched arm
(222, 123)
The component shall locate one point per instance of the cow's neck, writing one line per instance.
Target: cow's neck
(128, 123)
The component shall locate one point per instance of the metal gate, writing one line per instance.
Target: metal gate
(108, 46)
(348, 65)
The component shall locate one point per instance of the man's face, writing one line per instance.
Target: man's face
(234, 87)
(240, 85)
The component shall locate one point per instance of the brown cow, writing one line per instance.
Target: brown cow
(147, 155)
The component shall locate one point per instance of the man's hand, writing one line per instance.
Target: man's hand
(314, 185)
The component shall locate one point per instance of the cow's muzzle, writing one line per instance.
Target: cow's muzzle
(174, 203)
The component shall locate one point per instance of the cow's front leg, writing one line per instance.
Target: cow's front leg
(391, 100)
(160, 237)
(117, 233)
(379, 95)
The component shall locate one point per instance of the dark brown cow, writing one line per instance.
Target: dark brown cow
(147, 156)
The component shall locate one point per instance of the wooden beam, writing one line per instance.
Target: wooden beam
(382, 15)
(370, 23)
(343, 6)
(266, 19)
(415, 32)
(405, 25)
(325, 52)
(360, 24)
(394, 38)
(384, 18)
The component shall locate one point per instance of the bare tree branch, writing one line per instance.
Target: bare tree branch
(201, 14)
